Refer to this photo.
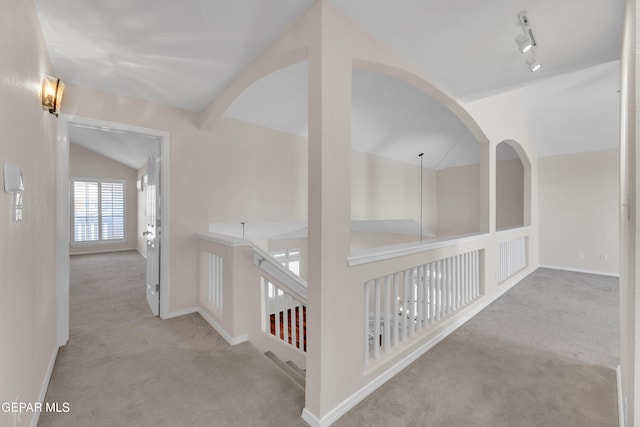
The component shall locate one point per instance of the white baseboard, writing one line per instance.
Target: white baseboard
(211, 321)
(578, 270)
(183, 312)
(310, 419)
(373, 385)
(45, 386)
(140, 252)
(621, 412)
(100, 251)
(231, 340)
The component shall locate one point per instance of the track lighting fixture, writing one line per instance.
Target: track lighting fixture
(527, 42)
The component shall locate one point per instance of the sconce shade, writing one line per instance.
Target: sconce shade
(52, 89)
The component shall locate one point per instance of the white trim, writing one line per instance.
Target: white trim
(293, 283)
(224, 240)
(373, 385)
(102, 251)
(403, 249)
(311, 419)
(621, 414)
(231, 340)
(45, 385)
(63, 214)
(578, 270)
(62, 231)
(211, 321)
(182, 312)
(264, 261)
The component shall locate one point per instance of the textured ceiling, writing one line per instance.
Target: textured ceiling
(184, 53)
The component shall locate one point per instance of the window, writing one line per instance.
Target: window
(290, 258)
(98, 210)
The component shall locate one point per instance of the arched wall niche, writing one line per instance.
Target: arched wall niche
(513, 186)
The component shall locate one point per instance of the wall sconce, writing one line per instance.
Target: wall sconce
(52, 89)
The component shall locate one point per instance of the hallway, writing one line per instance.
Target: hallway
(539, 356)
(124, 367)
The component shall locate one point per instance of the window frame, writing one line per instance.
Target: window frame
(100, 240)
(286, 256)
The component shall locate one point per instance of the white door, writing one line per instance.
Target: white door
(153, 234)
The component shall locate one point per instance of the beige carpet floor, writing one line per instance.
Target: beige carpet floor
(542, 355)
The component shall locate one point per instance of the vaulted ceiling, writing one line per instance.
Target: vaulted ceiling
(184, 53)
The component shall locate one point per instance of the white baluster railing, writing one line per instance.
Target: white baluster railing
(405, 304)
(215, 281)
(285, 315)
(512, 258)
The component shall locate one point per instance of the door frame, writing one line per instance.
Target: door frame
(63, 214)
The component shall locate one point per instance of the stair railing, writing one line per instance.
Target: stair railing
(284, 300)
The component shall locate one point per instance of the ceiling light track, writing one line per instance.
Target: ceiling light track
(527, 42)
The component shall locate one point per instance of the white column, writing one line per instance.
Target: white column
(334, 357)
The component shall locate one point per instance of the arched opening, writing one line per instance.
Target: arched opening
(263, 137)
(397, 195)
(512, 186)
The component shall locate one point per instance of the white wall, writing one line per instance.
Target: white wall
(387, 189)
(458, 200)
(84, 163)
(27, 248)
(578, 204)
(251, 173)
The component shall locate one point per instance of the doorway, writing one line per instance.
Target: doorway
(147, 152)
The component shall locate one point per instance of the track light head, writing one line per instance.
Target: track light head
(533, 64)
(524, 43)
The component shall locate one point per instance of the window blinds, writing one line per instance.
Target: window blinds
(85, 211)
(98, 211)
(112, 203)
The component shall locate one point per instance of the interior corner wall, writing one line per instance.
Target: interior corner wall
(382, 188)
(84, 163)
(578, 208)
(141, 220)
(27, 252)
